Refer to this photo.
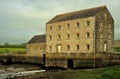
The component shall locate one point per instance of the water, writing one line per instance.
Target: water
(17, 74)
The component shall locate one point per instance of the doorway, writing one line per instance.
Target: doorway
(70, 63)
(59, 48)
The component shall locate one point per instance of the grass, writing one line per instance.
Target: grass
(117, 49)
(12, 50)
(100, 73)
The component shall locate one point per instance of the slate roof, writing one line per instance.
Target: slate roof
(37, 39)
(77, 14)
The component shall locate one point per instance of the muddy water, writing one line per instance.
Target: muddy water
(7, 71)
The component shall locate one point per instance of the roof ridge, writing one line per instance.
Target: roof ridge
(40, 35)
(77, 14)
(37, 39)
(82, 10)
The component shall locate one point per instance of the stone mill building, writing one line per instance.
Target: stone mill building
(85, 31)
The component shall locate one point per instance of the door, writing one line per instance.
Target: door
(70, 63)
(59, 48)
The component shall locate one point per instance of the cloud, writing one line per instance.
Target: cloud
(21, 19)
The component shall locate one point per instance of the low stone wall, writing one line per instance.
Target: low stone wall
(21, 58)
(81, 59)
(65, 60)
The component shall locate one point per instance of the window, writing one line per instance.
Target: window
(99, 17)
(50, 48)
(101, 24)
(109, 36)
(59, 27)
(78, 47)
(50, 28)
(101, 35)
(77, 35)
(87, 35)
(88, 46)
(68, 25)
(50, 37)
(68, 36)
(88, 23)
(78, 24)
(105, 16)
(109, 26)
(68, 47)
(58, 37)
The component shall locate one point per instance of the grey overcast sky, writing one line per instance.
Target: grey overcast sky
(21, 19)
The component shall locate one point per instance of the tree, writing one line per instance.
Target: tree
(6, 44)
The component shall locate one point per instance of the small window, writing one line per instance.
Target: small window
(78, 47)
(68, 36)
(50, 37)
(68, 25)
(50, 48)
(88, 47)
(99, 17)
(50, 28)
(68, 47)
(109, 36)
(109, 26)
(59, 27)
(87, 35)
(58, 37)
(101, 35)
(105, 15)
(101, 24)
(78, 35)
(78, 25)
(88, 23)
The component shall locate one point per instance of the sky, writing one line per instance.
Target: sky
(20, 20)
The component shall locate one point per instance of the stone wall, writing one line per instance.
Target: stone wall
(62, 29)
(65, 60)
(104, 32)
(36, 49)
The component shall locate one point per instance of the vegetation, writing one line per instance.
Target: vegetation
(100, 73)
(7, 45)
(13, 48)
(117, 49)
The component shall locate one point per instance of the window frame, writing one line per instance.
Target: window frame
(68, 36)
(50, 27)
(58, 37)
(77, 47)
(68, 47)
(88, 46)
(50, 37)
(59, 27)
(50, 47)
(78, 24)
(77, 35)
(87, 23)
(68, 26)
(87, 34)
